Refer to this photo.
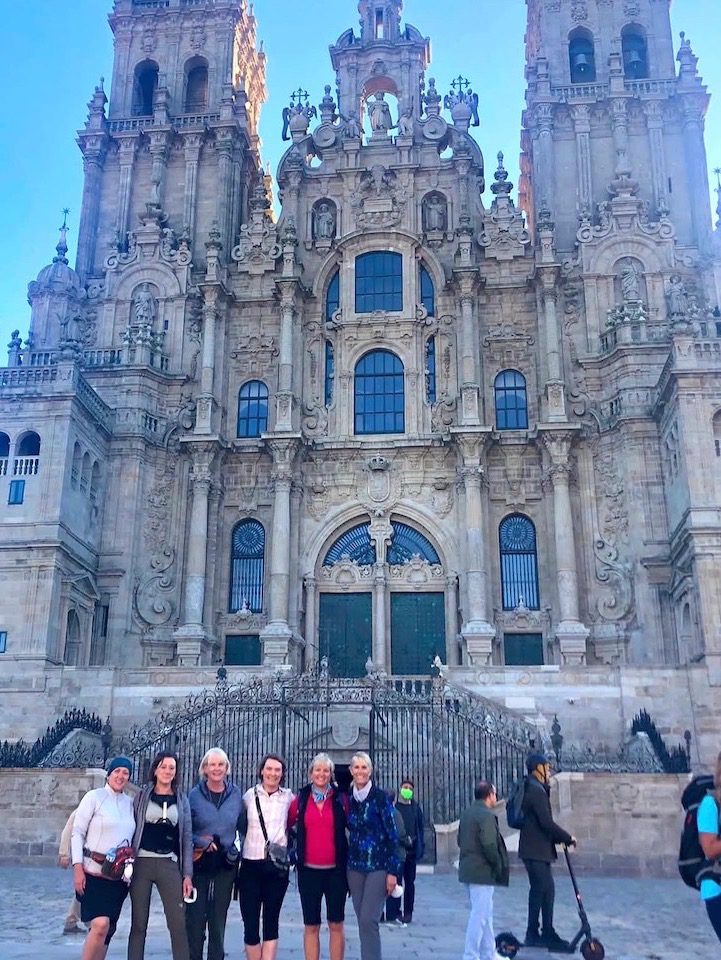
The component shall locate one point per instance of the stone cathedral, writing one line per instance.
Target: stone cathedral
(406, 420)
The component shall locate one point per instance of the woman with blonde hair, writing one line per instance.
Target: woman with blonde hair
(373, 862)
(708, 821)
(318, 815)
(216, 809)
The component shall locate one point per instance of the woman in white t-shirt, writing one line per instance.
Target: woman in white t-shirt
(104, 820)
(709, 834)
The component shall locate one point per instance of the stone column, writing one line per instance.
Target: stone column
(159, 160)
(284, 405)
(570, 631)
(695, 155)
(659, 174)
(470, 400)
(477, 632)
(206, 402)
(192, 641)
(555, 391)
(619, 126)
(379, 657)
(452, 652)
(582, 128)
(192, 143)
(543, 155)
(312, 649)
(277, 636)
(224, 149)
(127, 147)
(94, 152)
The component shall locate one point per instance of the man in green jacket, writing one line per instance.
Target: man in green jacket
(483, 865)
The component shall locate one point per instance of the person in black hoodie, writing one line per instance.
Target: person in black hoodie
(537, 848)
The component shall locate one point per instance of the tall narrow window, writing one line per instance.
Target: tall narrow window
(73, 641)
(582, 57)
(252, 409)
(247, 567)
(379, 282)
(430, 370)
(511, 401)
(379, 393)
(379, 23)
(519, 563)
(635, 53)
(428, 291)
(196, 87)
(329, 372)
(146, 83)
(332, 297)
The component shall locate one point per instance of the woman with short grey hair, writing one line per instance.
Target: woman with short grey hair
(318, 815)
(372, 853)
(216, 808)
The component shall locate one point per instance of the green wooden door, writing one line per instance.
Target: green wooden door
(523, 649)
(418, 631)
(346, 632)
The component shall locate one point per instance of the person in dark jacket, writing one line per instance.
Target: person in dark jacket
(392, 913)
(415, 846)
(164, 859)
(217, 812)
(318, 815)
(483, 865)
(537, 848)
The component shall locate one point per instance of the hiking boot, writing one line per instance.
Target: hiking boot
(557, 944)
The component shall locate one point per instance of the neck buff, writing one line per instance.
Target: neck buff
(361, 795)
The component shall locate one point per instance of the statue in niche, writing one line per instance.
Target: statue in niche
(405, 122)
(435, 213)
(380, 115)
(144, 307)
(324, 222)
(630, 281)
(350, 126)
(677, 296)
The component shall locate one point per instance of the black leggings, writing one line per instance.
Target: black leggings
(260, 890)
(713, 909)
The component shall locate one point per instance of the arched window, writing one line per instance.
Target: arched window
(379, 393)
(635, 53)
(379, 282)
(406, 542)
(73, 643)
(94, 481)
(27, 456)
(355, 544)
(196, 86)
(430, 371)
(717, 433)
(29, 446)
(252, 409)
(519, 563)
(428, 291)
(85, 474)
(146, 83)
(247, 567)
(582, 57)
(332, 296)
(511, 401)
(4, 453)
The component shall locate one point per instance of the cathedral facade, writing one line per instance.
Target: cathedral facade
(408, 420)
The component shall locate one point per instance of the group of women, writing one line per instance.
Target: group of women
(197, 848)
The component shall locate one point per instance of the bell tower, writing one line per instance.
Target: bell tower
(607, 112)
(380, 20)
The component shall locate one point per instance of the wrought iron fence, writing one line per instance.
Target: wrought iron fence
(52, 748)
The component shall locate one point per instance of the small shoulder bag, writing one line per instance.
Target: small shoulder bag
(277, 862)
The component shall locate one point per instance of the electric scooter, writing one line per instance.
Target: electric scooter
(507, 945)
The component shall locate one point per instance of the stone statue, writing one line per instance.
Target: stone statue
(324, 222)
(630, 281)
(380, 115)
(350, 126)
(405, 122)
(434, 210)
(144, 307)
(677, 296)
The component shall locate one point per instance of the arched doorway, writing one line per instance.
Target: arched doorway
(384, 602)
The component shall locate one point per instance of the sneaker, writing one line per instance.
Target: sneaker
(557, 944)
(399, 922)
(535, 940)
(407, 919)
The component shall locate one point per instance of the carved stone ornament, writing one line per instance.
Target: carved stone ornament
(435, 213)
(416, 571)
(346, 573)
(379, 200)
(324, 222)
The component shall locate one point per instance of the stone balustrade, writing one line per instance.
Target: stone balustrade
(26, 466)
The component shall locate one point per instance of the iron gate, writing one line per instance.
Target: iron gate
(440, 736)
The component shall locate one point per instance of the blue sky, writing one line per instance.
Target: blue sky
(55, 53)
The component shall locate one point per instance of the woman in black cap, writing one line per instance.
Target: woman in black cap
(104, 821)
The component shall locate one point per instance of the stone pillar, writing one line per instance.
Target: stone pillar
(277, 636)
(93, 162)
(555, 389)
(380, 660)
(193, 643)
(224, 149)
(477, 632)
(206, 402)
(284, 405)
(452, 651)
(127, 147)
(470, 401)
(659, 174)
(192, 143)
(582, 128)
(159, 160)
(696, 168)
(619, 126)
(312, 649)
(570, 632)
(543, 154)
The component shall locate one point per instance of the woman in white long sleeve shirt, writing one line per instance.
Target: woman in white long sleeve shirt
(104, 820)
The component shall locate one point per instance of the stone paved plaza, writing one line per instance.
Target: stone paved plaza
(636, 920)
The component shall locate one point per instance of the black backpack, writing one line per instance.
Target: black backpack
(692, 863)
(514, 805)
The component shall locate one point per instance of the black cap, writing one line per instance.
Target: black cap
(535, 760)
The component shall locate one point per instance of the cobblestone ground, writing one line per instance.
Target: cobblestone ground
(635, 919)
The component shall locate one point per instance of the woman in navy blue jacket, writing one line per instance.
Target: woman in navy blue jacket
(216, 808)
